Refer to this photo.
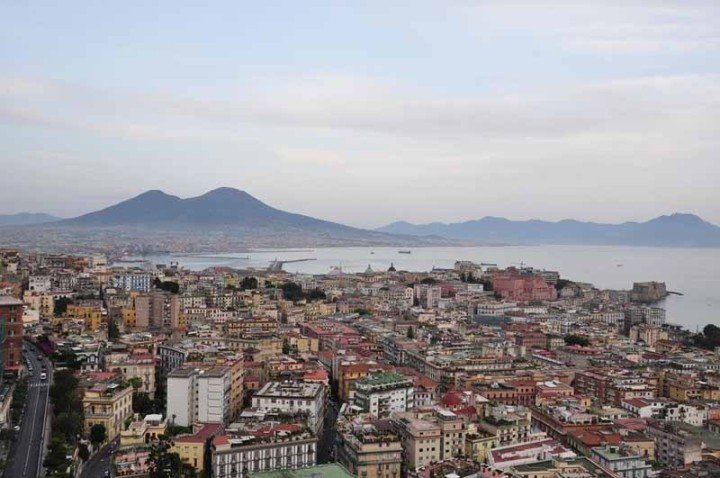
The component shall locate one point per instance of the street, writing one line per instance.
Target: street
(26, 458)
(99, 464)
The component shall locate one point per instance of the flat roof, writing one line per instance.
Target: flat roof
(332, 470)
(9, 300)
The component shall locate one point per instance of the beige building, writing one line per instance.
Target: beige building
(142, 432)
(136, 365)
(421, 439)
(108, 405)
(371, 453)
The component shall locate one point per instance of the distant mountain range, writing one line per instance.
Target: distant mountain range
(228, 219)
(25, 218)
(223, 219)
(675, 230)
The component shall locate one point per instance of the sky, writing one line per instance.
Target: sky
(365, 112)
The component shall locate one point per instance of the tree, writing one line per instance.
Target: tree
(56, 459)
(113, 330)
(60, 306)
(98, 434)
(292, 291)
(65, 358)
(315, 294)
(63, 392)
(249, 283)
(142, 403)
(169, 286)
(83, 452)
(574, 339)
(163, 464)
(286, 347)
(69, 424)
(136, 383)
(428, 281)
(410, 333)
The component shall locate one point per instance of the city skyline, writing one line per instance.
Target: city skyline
(369, 114)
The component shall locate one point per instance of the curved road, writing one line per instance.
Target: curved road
(26, 458)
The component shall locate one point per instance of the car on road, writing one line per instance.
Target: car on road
(40, 357)
(16, 428)
(43, 376)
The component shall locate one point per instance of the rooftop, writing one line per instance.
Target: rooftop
(332, 470)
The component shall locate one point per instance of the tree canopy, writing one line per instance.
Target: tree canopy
(574, 339)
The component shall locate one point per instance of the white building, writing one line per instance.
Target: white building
(40, 283)
(137, 281)
(382, 393)
(292, 397)
(198, 395)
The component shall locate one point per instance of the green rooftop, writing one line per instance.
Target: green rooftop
(382, 378)
(332, 470)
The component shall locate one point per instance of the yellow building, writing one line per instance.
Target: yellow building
(129, 317)
(92, 315)
(44, 303)
(191, 448)
(142, 432)
(477, 446)
(303, 344)
(108, 405)
(348, 375)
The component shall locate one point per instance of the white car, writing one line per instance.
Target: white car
(43, 376)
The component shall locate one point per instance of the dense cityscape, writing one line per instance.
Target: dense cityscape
(135, 369)
(372, 239)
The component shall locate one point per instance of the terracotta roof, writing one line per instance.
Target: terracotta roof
(452, 399)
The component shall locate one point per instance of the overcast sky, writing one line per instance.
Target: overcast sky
(365, 113)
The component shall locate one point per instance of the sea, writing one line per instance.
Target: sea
(695, 273)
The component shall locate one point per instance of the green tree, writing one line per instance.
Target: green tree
(142, 403)
(168, 286)
(410, 333)
(63, 392)
(315, 294)
(574, 339)
(428, 281)
(56, 459)
(292, 291)
(98, 434)
(83, 452)
(286, 347)
(113, 330)
(135, 382)
(69, 424)
(60, 306)
(249, 283)
(163, 464)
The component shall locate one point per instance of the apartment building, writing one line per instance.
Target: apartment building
(199, 395)
(108, 405)
(262, 443)
(11, 333)
(371, 450)
(382, 393)
(621, 460)
(292, 397)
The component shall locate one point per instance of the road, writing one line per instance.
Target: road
(26, 458)
(99, 464)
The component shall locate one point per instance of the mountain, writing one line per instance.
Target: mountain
(25, 218)
(681, 230)
(224, 219)
(220, 207)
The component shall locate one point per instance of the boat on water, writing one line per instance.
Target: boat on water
(404, 252)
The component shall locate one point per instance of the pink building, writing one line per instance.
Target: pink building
(522, 287)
